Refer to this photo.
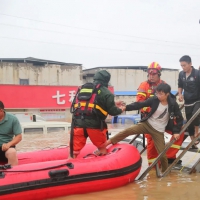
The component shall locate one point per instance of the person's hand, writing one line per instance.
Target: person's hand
(119, 103)
(5, 146)
(123, 108)
(180, 97)
(176, 136)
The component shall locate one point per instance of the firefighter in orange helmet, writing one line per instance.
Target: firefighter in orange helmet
(145, 91)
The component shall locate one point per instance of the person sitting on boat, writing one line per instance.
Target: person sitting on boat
(10, 135)
(89, 116)
(164, 110)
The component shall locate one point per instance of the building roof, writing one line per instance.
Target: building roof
(90, 72)
(35, 61)
(126, 67)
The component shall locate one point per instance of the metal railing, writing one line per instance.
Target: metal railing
(195, 167)
(145, 146)
(168, 146)
(133, 140)
(180, 156)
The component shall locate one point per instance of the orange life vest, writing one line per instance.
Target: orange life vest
(145, 91)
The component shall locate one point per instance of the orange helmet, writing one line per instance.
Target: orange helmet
(154, 68)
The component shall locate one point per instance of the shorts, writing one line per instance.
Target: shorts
(97, 137)
(3, 156)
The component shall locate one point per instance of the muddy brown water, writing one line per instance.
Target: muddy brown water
(176, 186)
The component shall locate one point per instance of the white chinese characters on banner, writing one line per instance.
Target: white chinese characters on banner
(58, 97)
(72, 95)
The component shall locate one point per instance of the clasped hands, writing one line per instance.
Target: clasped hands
(121, 105)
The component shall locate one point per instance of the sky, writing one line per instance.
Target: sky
(98, 33)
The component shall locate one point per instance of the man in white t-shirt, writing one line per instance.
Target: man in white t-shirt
(164, 111)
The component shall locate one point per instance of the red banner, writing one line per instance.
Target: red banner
(27, 96)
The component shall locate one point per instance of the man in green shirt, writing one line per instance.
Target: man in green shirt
(10, 135)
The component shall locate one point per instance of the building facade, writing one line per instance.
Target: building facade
(126, 80)
(33, 71)
(50, 86)
(22, 86)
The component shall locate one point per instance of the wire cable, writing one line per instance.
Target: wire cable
(89, 36)
(87, 29)
(92, 47)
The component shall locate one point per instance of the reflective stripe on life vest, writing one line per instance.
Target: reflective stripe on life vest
(91, 105)
(145, 109)
(151, 160)
(175, 146)
(141, 93)
(86, 90)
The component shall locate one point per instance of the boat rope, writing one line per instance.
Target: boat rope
(69, 165)
(192, 159)
(58, 147)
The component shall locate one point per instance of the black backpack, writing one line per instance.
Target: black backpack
(84, 104)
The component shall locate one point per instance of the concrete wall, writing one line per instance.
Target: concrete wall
(49, 74)
(11, 73)
(130, 79)
(121, 79)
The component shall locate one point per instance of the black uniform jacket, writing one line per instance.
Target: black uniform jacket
(190, 85)
(175, 116)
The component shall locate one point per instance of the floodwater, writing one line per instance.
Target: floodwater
(176, 186)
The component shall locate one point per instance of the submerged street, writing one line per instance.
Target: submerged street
(177, 185)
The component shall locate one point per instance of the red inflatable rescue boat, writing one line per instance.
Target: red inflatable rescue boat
(48, 174)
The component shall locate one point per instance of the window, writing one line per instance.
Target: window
(24, 81)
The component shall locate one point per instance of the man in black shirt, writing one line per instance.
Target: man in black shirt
(189, 81)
